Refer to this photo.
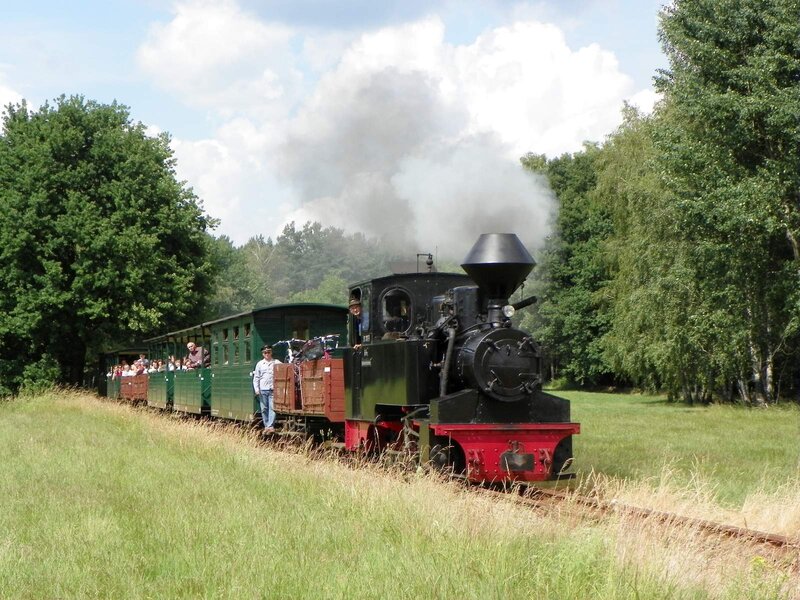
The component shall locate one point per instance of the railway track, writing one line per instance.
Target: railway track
(538, 498)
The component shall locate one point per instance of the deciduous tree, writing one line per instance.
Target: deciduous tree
(570, 318)
(728, 144)
(98, 240)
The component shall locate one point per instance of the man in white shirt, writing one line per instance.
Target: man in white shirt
(263, 386)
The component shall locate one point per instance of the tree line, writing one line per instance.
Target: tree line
(674, 264)
(311, 263)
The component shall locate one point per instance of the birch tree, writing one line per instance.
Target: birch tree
(728, 142)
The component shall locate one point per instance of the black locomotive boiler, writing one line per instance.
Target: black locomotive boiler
(442, 372)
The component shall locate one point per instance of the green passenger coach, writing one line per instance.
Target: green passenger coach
(224, 388)
(184, 391)
(236, 341)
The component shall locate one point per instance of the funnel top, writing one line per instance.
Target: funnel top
(498, 263)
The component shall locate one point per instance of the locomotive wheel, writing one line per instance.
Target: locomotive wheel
(562, 457)
(446, 457)
(371, 446)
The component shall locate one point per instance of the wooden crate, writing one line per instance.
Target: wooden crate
(285, 397)
(333, 383)
(312, 387)
(321, 386)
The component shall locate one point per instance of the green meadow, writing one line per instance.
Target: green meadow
(99, 500)
(733, 451)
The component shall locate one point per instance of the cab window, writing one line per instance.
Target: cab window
(396, 311)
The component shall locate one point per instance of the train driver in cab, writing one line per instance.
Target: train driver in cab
(355, 311)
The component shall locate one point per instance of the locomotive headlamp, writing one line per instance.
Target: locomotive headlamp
(508, 311)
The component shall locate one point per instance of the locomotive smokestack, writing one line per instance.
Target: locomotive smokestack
(498, 263)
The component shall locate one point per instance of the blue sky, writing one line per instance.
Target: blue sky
(346, 111)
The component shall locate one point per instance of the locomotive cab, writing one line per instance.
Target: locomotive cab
(396, 313)
(391, 370)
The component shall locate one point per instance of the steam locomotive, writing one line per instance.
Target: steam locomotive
(439, 371)
(443, 372)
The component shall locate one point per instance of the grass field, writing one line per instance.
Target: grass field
(100, 500)
(728, 453)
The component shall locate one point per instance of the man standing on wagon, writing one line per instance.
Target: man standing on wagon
(263, 386)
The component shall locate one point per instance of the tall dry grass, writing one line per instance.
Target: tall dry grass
(108, 501)
(768, 509)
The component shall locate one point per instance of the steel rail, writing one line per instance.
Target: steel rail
(529, 494)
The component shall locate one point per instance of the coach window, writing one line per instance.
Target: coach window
(300, 328)
(248, 344)
(395, 312)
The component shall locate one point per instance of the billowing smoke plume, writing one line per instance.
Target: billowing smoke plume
(394, 152)
(398, 132)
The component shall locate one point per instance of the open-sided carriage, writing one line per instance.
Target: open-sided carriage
(114, 386)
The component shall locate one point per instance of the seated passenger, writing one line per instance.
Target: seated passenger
(197, 358)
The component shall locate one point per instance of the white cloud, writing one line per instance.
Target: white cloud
(322, 50)
(402, 134)
(525, 84)
(233, 177)
(8, 95)
(645, 100)
(410, 130)
(216, 56)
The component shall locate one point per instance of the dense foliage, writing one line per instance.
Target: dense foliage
(678, 251)
(570, 322)
(309, 264)
(98, 240)
(728, 144)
